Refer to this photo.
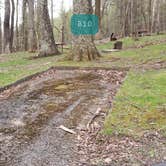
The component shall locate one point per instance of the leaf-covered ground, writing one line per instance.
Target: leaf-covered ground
(134, 131)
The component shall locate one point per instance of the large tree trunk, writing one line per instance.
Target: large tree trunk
(31, 23)
(6, 39)
(47, 44)
(83, 47)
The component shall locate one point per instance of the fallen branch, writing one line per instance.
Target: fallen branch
(93, 118)
(67, 129)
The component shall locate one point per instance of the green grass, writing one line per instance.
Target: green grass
(140, 105)
(17, 65)
(129, 42)
(132, 57)
(125, 58)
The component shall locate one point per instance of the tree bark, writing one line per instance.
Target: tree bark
(143, 11)
(153, 15)
(83, 47)
(6, 38)
(0, 37)
(17, 32)
(24, 41)
(131, 17)
(135, 19)
(12, 25)
(98, 10)
(47, 46)
(32, 46)
(156, 16)
(150, 15)
(52, 13)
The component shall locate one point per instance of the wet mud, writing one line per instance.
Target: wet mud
(31, 113)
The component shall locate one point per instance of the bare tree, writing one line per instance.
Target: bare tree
(52, 13)
(156, 16)
(12, 25)
(17, 33)
(47, 44)
(98, 10)
(149, 15)
(6, 37)
(135, 18)
(31, 24)
(24, 31)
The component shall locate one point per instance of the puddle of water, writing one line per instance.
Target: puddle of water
(73, 106)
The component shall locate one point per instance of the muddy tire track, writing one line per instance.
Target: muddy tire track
(30, 115)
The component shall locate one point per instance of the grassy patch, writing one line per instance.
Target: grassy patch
(129, 42)
(132, 57)
(15, 66)
(140, 105)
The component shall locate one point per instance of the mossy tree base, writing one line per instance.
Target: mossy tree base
(84, 49)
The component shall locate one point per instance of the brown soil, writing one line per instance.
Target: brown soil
(33, 109)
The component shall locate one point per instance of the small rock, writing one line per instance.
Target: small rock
(108, 160)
